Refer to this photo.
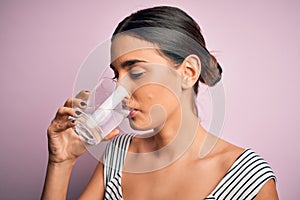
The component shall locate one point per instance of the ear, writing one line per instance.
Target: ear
(191, 69)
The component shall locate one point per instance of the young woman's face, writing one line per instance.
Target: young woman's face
(154, 84)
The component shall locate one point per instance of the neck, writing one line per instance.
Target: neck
(178, 133)
(181, 132)
(182, 124)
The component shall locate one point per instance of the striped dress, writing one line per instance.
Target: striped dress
(242, 181)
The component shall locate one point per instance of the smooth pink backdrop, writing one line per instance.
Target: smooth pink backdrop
(43, 44)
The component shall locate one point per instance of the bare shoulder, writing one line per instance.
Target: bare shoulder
(229, 150)
(226, 153)
(268, 191)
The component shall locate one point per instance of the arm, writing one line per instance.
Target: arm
(58, 175)
(57, 180)
(268, 191)
(95, 187)
(64, 147)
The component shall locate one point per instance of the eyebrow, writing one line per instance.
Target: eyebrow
(128, 63)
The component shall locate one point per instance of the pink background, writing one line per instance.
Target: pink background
(44, 43)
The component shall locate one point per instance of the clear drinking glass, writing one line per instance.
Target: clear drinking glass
(96, 122)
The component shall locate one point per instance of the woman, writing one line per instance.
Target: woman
(162, 52)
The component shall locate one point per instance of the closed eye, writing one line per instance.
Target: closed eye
(136, 75)
(136, 72)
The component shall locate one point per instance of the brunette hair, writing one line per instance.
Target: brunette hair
(160, 23)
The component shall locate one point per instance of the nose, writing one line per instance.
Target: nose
(123, 80)
(125, 103)
(121, 75)
(128, 103)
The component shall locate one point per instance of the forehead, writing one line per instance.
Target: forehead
(125, 47)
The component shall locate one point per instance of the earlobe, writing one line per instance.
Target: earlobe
(191, 71)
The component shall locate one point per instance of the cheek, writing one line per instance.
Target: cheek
(155, 96)
(149, 96)
(156, 104)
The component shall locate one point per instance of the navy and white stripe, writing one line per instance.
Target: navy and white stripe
(114, 158)
(242, 181)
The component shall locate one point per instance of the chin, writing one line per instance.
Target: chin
(145, 126)
(138, 126)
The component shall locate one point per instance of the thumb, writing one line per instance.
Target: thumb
(112, 134)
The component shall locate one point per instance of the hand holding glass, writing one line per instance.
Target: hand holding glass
(93, 127)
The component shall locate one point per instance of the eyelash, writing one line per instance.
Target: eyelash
(131, 74)
(136, 75)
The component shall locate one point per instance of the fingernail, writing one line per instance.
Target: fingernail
(82, 103)
(77, 112)
(71, 119)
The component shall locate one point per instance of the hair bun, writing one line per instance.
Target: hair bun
(211, 72)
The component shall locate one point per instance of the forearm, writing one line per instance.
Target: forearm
(57, 180)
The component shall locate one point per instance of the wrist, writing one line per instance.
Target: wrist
(63, 164)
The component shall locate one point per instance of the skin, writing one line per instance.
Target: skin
(189, 177)
(65, 147)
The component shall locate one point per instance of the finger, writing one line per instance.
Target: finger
(59, 126)
(112, 134)
(65, 112)
(75, 103)
(79, 103)
(83, 95)
(69, 102)
(62, 122)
